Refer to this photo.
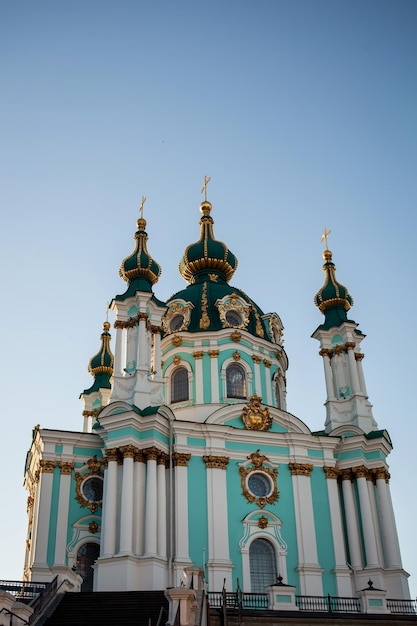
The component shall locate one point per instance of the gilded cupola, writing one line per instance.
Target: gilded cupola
(333, 299)
(207, 255)
(139, 269)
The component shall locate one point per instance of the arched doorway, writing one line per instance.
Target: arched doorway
(87, 554)
(263, 568)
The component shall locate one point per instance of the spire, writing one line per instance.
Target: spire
(207, 255)
(333, 299)
(139, 269)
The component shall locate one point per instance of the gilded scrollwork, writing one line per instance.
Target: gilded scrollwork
(236, 336)
(259, 464)
(181, 311)
(204, 320)
(66, 467)
(263, 522)
(331, 472)
(46, 466)
(233, 304)
(88, 482)
(254, 416)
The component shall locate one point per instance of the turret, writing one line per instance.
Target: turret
(347, 402)
(101, 367)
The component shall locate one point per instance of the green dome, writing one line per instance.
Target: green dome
(101, 365)
(139, 269)
(333, 299)
(204, 296)
(207, 255)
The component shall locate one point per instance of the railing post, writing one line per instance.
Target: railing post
(329, 600)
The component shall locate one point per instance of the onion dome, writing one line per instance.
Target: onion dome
(101, 365)
(207, 255)
(333, 299)
(139, 269)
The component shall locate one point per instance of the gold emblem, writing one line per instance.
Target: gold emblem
(254, 416)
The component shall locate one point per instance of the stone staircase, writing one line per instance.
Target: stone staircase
(102, 608)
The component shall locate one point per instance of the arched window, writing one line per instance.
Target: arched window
(277, 394)
(86, 557)
(263, 569)
(179, 385)
(235, 381)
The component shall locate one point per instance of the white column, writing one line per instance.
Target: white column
(118, 351)
(162, 508)
(258, 387)
(366, 516)
(131, 350)
(142, 345)
(199, 388)
(126, 512)
(308, 567)
(344, 585)
(326, 354)
(63, 508)
(214, 375)
(151, 509)
(351, 520)
(268, 382)
(359, 356)
(46, 469)
(139, 503)
(157, 356)
(389, 531)
(110, 504)
(181, 506)
(353, 371)
(219, 564)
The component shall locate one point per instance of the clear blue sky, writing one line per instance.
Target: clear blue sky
(304, 115)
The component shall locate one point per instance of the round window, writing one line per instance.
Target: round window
(259, 484)
(176, 322)
(233, 318)
(92, 489)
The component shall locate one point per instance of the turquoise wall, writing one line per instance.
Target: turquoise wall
(323, 526)
(197, 512)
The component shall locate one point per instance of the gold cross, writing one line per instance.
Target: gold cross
(324, 236)
(141, 206)
(204, 187)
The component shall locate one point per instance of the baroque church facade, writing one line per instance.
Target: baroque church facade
(188, 456)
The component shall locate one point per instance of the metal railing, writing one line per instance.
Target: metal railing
(404, 607)
(328, 604)
(23, 590)
(239, 600)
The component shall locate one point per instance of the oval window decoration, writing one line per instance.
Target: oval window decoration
(176, 322)
(259, 484)
(92, 489)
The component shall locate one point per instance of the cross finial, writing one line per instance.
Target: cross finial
(324, 236)
(204, 187)
(141, 206)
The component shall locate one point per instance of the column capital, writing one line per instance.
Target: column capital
(359, 356)
(216, 462)
(47, 467)
(381, 472)
(361, 471)
(331, 472)
(112, 454)
(300, 469)
(139, 456)
(128, 452)
(199, 354)
(66, 467)
(326, 352)
(181, 459)
(346, 474)
(213, 354)
(162, 459)
(256, 359)
(267, 363)
(350, 345)
(152, 453)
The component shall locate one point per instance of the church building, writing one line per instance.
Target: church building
(189, 457)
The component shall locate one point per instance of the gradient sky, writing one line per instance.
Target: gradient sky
(304, 115)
